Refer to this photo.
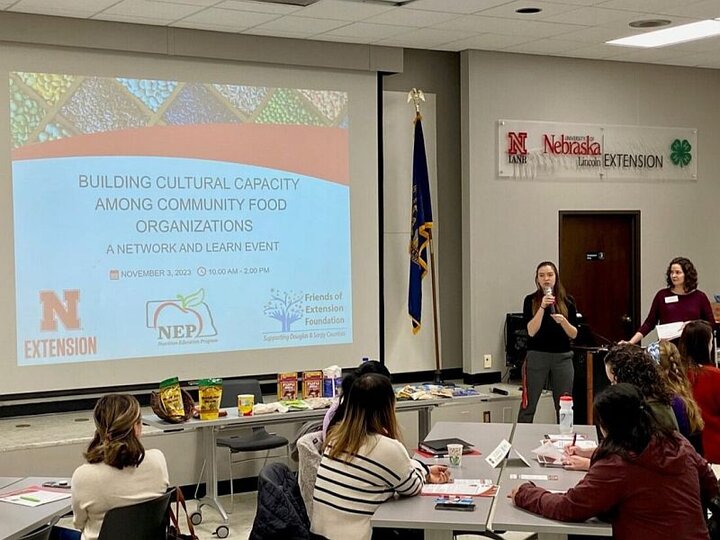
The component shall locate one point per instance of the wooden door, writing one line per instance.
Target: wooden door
(600, 267)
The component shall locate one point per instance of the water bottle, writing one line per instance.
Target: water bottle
(566, 414)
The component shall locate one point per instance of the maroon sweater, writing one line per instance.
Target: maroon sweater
(692, 306)
(654, 496)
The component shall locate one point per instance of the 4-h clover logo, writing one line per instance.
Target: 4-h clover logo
(680, 152)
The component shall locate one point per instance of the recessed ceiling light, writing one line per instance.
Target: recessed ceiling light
(671, 36)
(528, 10)
(650, 23)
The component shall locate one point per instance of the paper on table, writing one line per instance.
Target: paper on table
(461, 486)
(33, 497)
(497, 455)
(670, 330)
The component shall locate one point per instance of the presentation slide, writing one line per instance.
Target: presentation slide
(155, 218)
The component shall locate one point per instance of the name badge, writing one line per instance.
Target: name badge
(671, 299)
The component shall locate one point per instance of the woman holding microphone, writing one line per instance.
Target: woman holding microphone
(551, 319)
(680, 301)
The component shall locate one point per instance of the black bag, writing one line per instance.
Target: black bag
(713, 521)
(174, 527)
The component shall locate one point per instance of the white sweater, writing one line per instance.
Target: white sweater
(348, 493)
(97, 488)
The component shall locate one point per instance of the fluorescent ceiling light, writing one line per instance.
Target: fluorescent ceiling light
(671, 36)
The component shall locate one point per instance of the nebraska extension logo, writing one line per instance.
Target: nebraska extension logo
(67, 313)
(517, 151)
(184, 317)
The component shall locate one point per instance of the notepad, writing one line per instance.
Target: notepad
(462, 486)
(33, 497)
(439, 446)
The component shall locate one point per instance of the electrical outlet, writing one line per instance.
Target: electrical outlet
(487, 361)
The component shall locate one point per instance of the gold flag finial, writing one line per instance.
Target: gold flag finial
(416, 96)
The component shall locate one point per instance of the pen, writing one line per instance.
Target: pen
(574, 439)
(27, 498)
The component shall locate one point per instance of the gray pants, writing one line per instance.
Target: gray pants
(538, 367)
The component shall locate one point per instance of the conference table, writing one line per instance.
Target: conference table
(210, 428)
(492, 513)
(15, 520)
(419, 512)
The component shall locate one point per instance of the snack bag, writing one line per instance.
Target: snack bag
(171, 397)
(287, 387)
(210, 392)
(312, 384)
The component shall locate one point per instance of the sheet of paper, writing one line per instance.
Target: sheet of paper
(497, 455)
(670, 330)
(33, 497)
(461, 486)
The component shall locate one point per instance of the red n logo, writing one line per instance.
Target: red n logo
(53, 309)
(517, 143)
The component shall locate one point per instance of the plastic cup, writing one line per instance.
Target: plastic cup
(245, 404)
(455, 454)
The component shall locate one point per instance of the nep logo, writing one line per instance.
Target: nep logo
(185, 317)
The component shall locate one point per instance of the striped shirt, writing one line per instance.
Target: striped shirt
(347, 493)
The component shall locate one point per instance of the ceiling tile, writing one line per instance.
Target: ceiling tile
(426, 38)
(498, 25)
(411, 17)
(198, 3)
(258, 31)
(508, 10)
(343, 10)
(291, 23)
(228, 20)
(702, 9)
(261, 7)
(65, 8)
(545, 46)
(485, 42)
(594, 16)
(162, 12)
(368, 30)
(456, 6)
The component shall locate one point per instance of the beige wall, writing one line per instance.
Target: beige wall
(509, 226)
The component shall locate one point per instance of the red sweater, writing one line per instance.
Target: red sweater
(706, 391)
(692, 306)
(654, 496)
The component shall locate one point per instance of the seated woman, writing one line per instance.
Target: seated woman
(645, 479)
(337, 410)
(119, 472)
(631, 364)
(687, 412)
(364, 464)
(696, 351)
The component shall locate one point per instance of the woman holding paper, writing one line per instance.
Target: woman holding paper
(645, 479)
(695, 349)
(680, 301)
(551, 319)
(364, 464)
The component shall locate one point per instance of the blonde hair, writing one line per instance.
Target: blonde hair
(370, 410)
(115, 442)
(672, 367)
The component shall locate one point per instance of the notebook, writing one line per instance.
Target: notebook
(439, 446)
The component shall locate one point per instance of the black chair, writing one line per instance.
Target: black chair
(259, 440)
(143, 521)
(42, 533)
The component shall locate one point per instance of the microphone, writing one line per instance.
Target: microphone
(548, 292)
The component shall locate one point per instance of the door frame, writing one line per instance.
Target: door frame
(634, 250)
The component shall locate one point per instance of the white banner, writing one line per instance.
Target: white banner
(552, 150)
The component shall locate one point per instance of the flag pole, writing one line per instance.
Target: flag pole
(417, 96)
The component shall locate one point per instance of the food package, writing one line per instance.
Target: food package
(287, 386)
(210, 392)
(312, 384)
(171, 397)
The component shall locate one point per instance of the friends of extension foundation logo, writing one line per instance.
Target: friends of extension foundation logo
(60, 326)
(181, 320)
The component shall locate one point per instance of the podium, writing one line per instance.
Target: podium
(590, 379)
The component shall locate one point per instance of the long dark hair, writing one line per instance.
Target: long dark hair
(371, 366)
(628, 422)
(690, 282)
(631, 364)
(561, 297)
(369, 410)
(694, 344)
(115, 442)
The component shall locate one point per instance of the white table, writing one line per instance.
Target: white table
(16, 521)
(506, 516)
(210, 428)
(419, 512)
